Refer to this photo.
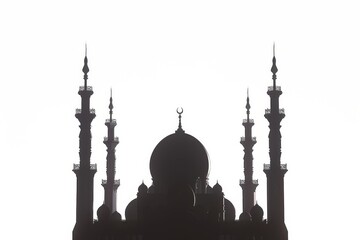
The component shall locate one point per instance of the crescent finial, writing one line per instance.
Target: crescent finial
(180, 110)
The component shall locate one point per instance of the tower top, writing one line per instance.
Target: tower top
(274, 69)
(85, 68)
(180, 110)
(111, 106)
(247, 104)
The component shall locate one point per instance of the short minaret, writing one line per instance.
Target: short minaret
(275, 171)
(110, 184)
(84, 170)
(248, 185)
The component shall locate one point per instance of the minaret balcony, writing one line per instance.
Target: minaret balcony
(243, 139)
(271, 88)
(110, 121)
(79, 111)
(77, 167)
(116, 139)
(250, 121)
(116, 182)
(282, 166)
(82, 88)
(268, 111)
(255, 182)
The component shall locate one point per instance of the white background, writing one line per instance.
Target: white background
(158, 55)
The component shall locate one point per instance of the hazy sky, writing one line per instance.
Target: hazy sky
(157, 56)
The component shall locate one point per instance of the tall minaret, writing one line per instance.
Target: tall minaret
(248, 185)
(85, 170)
(110, 184)
(275, 171)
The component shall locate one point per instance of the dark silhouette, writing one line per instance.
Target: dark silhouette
(248, 185)
(179, 204)
(275, 171)
(110, 184)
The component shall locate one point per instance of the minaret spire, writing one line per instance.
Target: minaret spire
(85, 68)
(274, 68)
(180, 110)
(247, 105)
(248, 185)
(84, 171)
(111, 105)
(275, 171)
(110, 184)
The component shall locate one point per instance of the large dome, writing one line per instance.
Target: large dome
(179, 157)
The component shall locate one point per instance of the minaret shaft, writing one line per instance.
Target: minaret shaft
(110, 184)
(275, 171)
(248, 185)
(84, 171)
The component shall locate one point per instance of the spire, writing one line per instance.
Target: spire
(85, 68)
(111, 105)
(274, 68)
(247, 105)
(180, 110)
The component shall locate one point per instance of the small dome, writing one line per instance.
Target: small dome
(229, 211)
(179, 157)
(245, 217)
(209, 189)
(217, 188)
(131, 211)
(256, 213)
(103, 213)
(115, 216)
(151, 189)
(143, 189)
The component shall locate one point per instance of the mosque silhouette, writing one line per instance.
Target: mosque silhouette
(180, 204)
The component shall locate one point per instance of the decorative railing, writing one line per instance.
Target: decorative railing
(250, 120)
(242, 139)
(116, 139)
(88, 88)
(271, 88)
(79, 111)
(282, 166)
(281, 111)
(266, 166)
(116, 182)
(77, 167)
(112, 121)
(242, 182)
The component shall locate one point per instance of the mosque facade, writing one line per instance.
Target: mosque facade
(180, 203)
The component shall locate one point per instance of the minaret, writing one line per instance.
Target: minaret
(275, 171)
(110, 184)
(248, 185)
(85, 170)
